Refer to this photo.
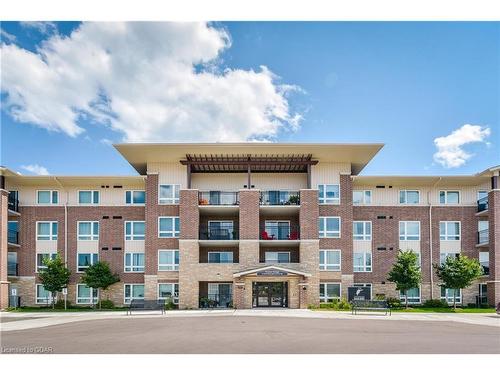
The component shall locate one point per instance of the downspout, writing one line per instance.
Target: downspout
(430, 236)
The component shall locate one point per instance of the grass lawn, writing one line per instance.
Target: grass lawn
(71, 309)
(426, 310)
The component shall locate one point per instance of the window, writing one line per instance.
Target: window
(40, 258)
(86, 295)
(329, 194)
(168, 260)
(168, 227)
(47, 197)
(220, 257)
(85, 260)
(42, 295)
(277, 257)
(449, 230)
(134, 262)
(134, 230)
(409, 230)
(329, 260)
(329, 227)
(46, 230)
(443, 256)
(362, 230)
(169, 290)
(362, 261)
(329, 292)
(88, 230)
(483, 294)
(484, 260)
(133, 291)
(482, 194)
(409, 197)
(447, 295)
(413, 295)
(278, 229)
(365, 285)
(168, 194)
(88, 197)
(449, 197)
(135, 197)
(361, 197)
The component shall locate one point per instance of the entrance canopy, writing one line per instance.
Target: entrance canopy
(271, 271)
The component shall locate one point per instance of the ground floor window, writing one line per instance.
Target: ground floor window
(169, 290)
(362, 262)
(42, 295)
(134, 262)
(329, 292)
(413, 295)
(365, 285)
(220, 294)
(133, 291)
(86, 295)
(483, 294)
(447, 295)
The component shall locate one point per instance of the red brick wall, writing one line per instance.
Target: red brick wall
(308, 214)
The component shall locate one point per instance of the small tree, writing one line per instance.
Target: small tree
(55, 277)
(99, 276)
(458, 273)
(406, 272)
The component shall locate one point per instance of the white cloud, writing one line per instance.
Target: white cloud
(4, 35)
(43, 27)
(450, 152)
(36, 169)
(153, 81)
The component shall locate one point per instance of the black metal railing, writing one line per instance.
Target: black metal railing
(279, 231)
(279, 198)
(482, 204)
(218, 198)
(212, 301)
(219, 231)
(13, 202)
(483, 236)
(12, 269)
(13, 236)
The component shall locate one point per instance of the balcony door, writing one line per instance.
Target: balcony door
(221, 293)
(220, 230)
(278, 229)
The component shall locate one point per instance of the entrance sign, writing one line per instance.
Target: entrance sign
(358, 293)
(272, 273)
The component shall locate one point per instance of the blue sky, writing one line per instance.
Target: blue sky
(402, 84)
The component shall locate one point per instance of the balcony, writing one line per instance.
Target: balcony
(219, 231)
(215, 295)
(12, 269)
(483, 237)
(482, 204)
(13, 202)
(12, 237)
(218, 198)
(279, 232)
(280, 198)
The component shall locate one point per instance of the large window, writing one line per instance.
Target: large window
(362, 261)
(88, 197)
(220, 257)
(413, 295)
(168, 227)
(85, 260)
(329, 227)
(362, 230)
(134, 262)
(134, 230)
(484, 260)
(168, 194)
(168, 260)
(133, 291)
(277, 257)
(409, 197)
(447, 295)
(329, 292)
(88, 230)
(409, 230)
(361, 197)
(46, 230)
(42, 295)
(329, 194)
(135, 197)
(41, 258)
(329, 260)
(169, 290)
(47, 197)
(449, 230)
(449, 197)
(86, 295)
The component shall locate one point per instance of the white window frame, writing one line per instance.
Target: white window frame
(486, 257)
(126, 300)
(326, 297)
(364, 285)
(169, 200)
(92, 196)
(132, 236)
(93, 236)
(51, 235)
(365, 268)
(171, 233)
(326, 200)
(446, 235)
(92, 300)
(38, 268)
(168, 266)
(404, 237)
(329, 234)
(277, 256)
(448, 297)
(364, 200)
(411, 300)
(92, 260)
(405, 192)
(364, 236)
(38, 300)
(133, 268)
(330, 266)
(446, 192)
(272, 223)
(220, 252)
(175, 297)
(481, 192)
(132, 201)
(51, 197)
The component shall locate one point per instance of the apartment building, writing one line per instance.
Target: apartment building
(246, 225)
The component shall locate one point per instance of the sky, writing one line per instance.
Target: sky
(430, 91)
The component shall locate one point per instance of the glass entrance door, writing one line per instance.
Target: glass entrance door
(270, 294)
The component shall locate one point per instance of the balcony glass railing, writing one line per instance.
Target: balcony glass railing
(483, 236)
(219, 231)
(13, 202)
(482, 204)
(218, 198)
(280, 198)
(13, 236)
(279, 231)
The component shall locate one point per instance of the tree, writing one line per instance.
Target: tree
(99, 276)
(55, 277)
(458, 273)
(406, 272)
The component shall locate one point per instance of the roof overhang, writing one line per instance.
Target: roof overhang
(471, 180)
(270, 268)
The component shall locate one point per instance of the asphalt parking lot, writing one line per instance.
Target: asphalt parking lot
(273, 335)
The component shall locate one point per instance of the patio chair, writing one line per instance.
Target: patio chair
(266, 236)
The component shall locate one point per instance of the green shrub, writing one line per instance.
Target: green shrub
(435, 303)
(343, 304)
(60, 304)
(394, 303)
(311, 306)
(380, 297)
(107, 304)
(169, 303)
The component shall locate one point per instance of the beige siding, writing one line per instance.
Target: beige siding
(360, 246)
(169, 173)
(328, 173)
(450, 246)
(134, 246)
(237, 181)
(87, 246)
(410, 245)
(46, 246)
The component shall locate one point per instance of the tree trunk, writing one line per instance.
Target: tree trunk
(406, 299)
